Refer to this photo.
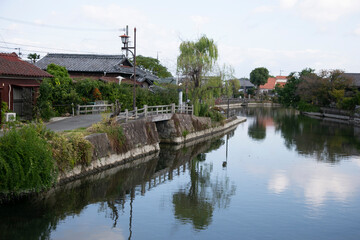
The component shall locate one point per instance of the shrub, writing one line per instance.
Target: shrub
(4, 109)
(26, 162)
(213, 113)
(307, 107)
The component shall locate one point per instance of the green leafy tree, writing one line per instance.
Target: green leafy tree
(197, 58)
(259, 76)
(154, 65)
(56, 93)
(33, 57)
(288, 95)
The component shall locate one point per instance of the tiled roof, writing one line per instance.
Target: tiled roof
(355, 77)
(245, 83)
(12, 65)
(270, 84)
(281, 77)
(94, 63)
(83, 62)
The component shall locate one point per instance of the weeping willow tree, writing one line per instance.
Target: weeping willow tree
(196, 59)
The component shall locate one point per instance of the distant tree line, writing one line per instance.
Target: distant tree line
(308, 91)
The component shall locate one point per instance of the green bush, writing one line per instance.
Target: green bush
(4, 109)
(214, 114)
(307, 107)
(26, 162)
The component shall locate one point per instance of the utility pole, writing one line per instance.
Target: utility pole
(127, 44)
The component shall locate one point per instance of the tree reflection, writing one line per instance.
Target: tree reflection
(257, 130)
(37, 217)
(195, 203)
(326, 141)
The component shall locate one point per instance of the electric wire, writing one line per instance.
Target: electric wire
(60, 27)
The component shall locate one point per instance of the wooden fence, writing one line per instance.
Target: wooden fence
(94, 109)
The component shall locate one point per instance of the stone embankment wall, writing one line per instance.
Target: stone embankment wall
(184, 128)
(142, 138)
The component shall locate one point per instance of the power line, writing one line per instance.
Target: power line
(47, 48)
(61, 27)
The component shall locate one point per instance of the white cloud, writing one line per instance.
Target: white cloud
(323, 10)
(38, 21)
(263, 9)
(288, 3)
(357, 30)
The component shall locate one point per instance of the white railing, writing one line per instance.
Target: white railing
(93, 109)
(149, 111)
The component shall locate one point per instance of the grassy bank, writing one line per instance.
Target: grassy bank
(31, 156)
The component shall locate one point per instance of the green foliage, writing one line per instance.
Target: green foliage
(259, 76)
(287, 94)
(33, 57)
(214, 114)
(114, 132)
(185, 133)
(197, 58)
(4, 109)
(307, 107)
(25, 161)
(153, 65)
(59, 93)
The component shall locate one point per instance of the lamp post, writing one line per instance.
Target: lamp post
(125, 41)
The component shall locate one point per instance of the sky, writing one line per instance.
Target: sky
(282, 35)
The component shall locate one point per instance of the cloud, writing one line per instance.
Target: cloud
(263, 9)
(357, 30)
(288, 3)
(199, 21)
(288, 60)
(323, 10)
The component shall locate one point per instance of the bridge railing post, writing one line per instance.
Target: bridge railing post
(145, 110)
(126, 115)
(173, 108)
(136, 112)
(192, 109)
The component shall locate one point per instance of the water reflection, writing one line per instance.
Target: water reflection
(196, 202)
(38, 217)
(324, 140)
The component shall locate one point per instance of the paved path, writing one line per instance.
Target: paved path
(71, 123)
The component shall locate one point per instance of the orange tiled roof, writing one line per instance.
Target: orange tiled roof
(270, 84)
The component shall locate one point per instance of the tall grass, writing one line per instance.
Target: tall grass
(26, 162)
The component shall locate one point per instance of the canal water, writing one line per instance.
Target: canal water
(277, 176)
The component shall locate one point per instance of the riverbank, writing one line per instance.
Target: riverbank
(142, 138)
(335, 115)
